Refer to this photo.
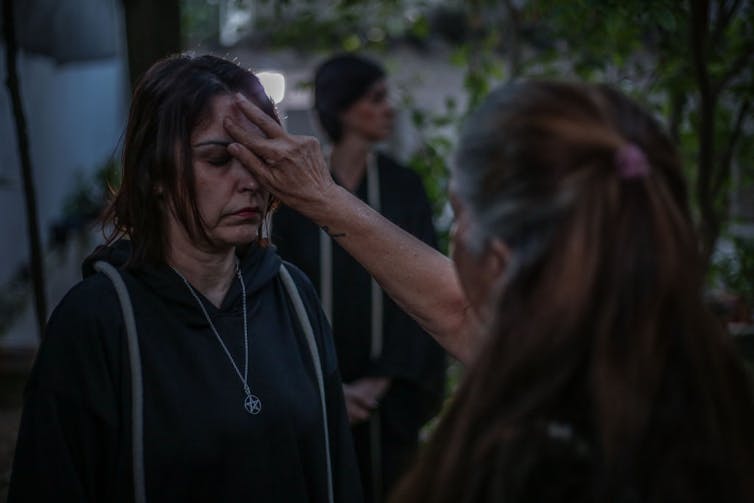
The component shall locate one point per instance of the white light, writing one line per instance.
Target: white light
(274, 85)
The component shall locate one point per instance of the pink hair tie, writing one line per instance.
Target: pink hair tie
(631, 162)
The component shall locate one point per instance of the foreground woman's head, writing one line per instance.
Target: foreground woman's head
(573, 175)
(573, 243)
(178, 178)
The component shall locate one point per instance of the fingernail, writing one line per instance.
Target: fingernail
(240, 97)
(234, 148)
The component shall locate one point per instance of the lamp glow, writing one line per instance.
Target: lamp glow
(274, 85)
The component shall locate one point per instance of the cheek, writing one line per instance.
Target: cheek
(473, 276)
(362, 114)
(209, 199)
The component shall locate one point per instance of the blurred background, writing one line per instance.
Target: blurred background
(69, 67)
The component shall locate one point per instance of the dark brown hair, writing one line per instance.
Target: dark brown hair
(170, 100)
(603, 355)
(339, 82)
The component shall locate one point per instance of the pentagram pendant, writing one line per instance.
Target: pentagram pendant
(252, 404)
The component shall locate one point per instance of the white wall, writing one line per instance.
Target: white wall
(75, 116)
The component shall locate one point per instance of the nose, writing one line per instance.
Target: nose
(246, 181)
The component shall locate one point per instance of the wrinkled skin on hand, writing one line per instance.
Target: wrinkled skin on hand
(291, 167)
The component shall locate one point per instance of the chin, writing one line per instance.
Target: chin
(242, 238)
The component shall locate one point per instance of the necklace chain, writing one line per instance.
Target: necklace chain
(252, 403)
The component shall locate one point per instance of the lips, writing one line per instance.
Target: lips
(248, 212)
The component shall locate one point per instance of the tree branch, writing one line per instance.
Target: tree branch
(677, 106)
(514, 46)
(723, 19)
(742, 62)
(726, 159)
(698, 33)
(32, 220)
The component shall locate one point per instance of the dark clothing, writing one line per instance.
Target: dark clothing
(200, 443)
(410, 357)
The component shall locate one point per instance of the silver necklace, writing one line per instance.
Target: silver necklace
(252, 403)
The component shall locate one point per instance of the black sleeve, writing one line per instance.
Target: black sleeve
(297, 241)
(409, 353)
(285, 224)
(420, 222)
(346, 478)
(69, 420)
(406, 346)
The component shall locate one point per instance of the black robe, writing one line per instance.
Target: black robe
(411, 358)
(200, 443)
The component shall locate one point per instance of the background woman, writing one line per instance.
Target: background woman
(598, 373)
(231, 405)
(393, 372)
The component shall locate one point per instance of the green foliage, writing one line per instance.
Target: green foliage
(200, 23)
(692, 67)
(736, 270)
(347, 25)
(89, 197)
(431, 159)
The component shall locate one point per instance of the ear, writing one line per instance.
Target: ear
(493, 264)
(496, 259)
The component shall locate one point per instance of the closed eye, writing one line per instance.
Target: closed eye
(213, 152)
(220, 161)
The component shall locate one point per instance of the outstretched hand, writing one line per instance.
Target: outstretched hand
(291, 167)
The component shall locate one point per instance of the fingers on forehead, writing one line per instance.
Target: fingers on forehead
(250, 139)
(255, 114)
(249, 159)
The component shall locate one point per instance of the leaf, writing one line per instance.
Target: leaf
(666, 20)
(351, 43)
(420, 28)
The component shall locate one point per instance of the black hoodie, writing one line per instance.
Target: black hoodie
(200, 443)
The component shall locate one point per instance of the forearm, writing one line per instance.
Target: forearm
(420, 280)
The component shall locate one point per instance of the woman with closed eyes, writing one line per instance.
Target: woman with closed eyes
(233, 393)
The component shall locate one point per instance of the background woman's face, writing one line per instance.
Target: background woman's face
(370, 117)
(230, 200)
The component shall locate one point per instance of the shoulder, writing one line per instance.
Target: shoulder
(316, 317)
(302, 283)
(91, 299)
(286, 214)
(291, 230)
(392, 169)
(80, 334)
(87, 313)
(405, 184)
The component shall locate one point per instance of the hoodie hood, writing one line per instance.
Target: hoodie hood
(116, 255)
(259, 266)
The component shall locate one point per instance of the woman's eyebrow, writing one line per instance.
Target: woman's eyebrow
(220, 143)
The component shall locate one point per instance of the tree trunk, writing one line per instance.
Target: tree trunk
(709, 224)
(513, 39)
(32, 223)
(153, 31)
